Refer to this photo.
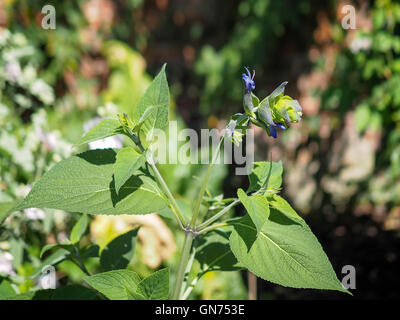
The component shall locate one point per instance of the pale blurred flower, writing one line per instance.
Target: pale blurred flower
(43, 91)
(360, 44)
(13, 71)
(35, 214)
(5, 263)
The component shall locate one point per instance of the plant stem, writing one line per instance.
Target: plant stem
(213, 227)
(217, 215)
(204, 184)
(150, 160)
(176, 294)
(174, 206)
(79, 262)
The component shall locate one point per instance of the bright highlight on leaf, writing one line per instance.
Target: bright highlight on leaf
(104, 129)
(156, 98)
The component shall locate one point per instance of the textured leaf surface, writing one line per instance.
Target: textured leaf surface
(119, 252)
(104, 129)
(5, 210)
(84, 183)
(256, 206)
(114, 284)
(157, 98)
(127, 162)
(155, 286)
(260, 173)
(79, 229)
(213, 253)
(285, 252)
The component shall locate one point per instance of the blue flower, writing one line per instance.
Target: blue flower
(249, 80)
(272, 129)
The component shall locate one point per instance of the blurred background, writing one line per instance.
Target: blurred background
(341, 162)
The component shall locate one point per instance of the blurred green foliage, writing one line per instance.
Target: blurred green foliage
(56, 82)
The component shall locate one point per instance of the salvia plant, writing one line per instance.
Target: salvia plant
(271, 240)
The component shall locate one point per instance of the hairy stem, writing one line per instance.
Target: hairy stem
(213, 227)
(217, 215)
(176, 294)
(174, 206)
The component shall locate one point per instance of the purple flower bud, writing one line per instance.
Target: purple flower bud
(249, 80)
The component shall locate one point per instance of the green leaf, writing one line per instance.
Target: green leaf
(114, 284)
(278, 91)
(260, 173)
(104, 129)
(6, 290)
(285, 252)
(157, 98)
(132, 295)
(264, 112)
(48, 247)
(84, 183)
(127, 162)
(5, 210)
(90, 251)
(362, 116)
(256, 206)
(155, 286)
(52, 260)
(79, 229)
(283, 206)
(119, 252)
(213, 253)
(255, 100)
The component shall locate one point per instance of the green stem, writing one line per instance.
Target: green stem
(175, 209)
(213, 227)
(217, 215)
(176, 294)
(204, 184)
(79, 262)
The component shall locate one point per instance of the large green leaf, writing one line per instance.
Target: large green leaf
(119, 252)
(104, 129)
(256, 206)
(127, 162)
(260, 173)
(284, 251)
(84, 183)
(114, 284)
(157, 98)
(213, 252)
(155, 286)
(79, 229)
